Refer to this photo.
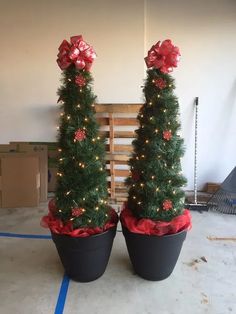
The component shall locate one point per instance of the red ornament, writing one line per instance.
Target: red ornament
(160, 83)
(80, 80)
(167, 135)
(163, 56)
(80, 135)
(135, 176)
(167, 205)
(77, 52)
(76, 212)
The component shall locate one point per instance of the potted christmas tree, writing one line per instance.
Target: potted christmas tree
(154, 220)
(82, 225)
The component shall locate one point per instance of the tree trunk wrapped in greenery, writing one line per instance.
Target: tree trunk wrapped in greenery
(156, 181)
(81, 192)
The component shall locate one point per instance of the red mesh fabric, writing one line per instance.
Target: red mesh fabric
(159, 228)
(57, 226)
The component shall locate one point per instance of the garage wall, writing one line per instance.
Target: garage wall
(121, 33)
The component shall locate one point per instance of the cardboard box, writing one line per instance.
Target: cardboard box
(212, 187)
(42, 152)
(20, 180)
(8, 148)
(52, 159)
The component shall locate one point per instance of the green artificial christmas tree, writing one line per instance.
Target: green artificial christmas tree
(155, 184)
(81, 193)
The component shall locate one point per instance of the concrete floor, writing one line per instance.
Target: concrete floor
(31, 274)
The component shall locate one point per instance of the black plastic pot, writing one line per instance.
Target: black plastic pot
(85, 259)
(153, 257)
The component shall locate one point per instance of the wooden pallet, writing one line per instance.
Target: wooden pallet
(118, 122)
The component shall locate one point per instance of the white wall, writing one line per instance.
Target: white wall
(121, 33)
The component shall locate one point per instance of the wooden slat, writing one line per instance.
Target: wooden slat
(117, 108)
(117, 157)
(126, 121)
(123, 148)
(103, 121)
(124, 134)
(121, 173)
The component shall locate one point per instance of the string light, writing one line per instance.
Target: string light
(147, 141)
(158, 209)
(153, 177)
(150, 103)
(97, 189)
(101, 169)
(139, 203)
(174, 192)
(83, 198)
(68, 117)
(69, 80)
(164, 110)
(156, 131)
(137, 158)
(98, 138)
(97, 208)
(67, 193)
(78, 106)
(134, 197)
(169, 181)
(106, 215)
(92, 105)
(72, 218)
(59, 174)
(143, 156)
(60, 211)
(142, 185)
(61, 159)
(133, 185)
(61, 114)
(93, 139)
(170, 85)
(86, 119)
(168, 123)
(158, 96)
(159, 156)
(157, 189)
(151, 118)
(141, 115)
(59, 149)
(81, 90)
(89, 220)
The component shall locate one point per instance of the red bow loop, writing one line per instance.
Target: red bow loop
(163, 56)
(78, 52)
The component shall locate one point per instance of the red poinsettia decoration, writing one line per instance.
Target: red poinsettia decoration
(167, 135)
(80, 135)
(76, 212)
(77, 52)
(80, 80)
(163, 56)
(167, 205)
(135, 176)
(160, 83)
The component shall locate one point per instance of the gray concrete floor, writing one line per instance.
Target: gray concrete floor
(31, 274)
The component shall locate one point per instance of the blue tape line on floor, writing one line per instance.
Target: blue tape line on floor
(62, 295)
(24, 236)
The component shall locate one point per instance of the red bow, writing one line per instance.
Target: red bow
(77, 52)
(163, 56)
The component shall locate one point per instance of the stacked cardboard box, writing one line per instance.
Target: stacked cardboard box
(52, 158)
(23, 175)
